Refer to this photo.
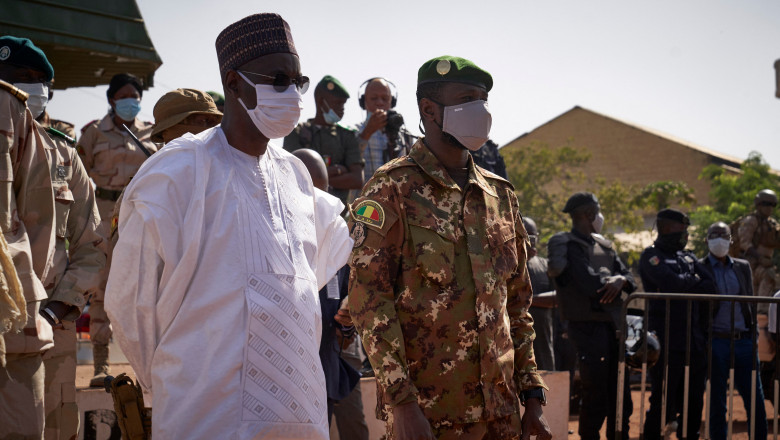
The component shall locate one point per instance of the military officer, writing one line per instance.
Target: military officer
(667, 267)
(758, 237)
(27, 222)
(337, 145)
(111, 158)
(439, 287)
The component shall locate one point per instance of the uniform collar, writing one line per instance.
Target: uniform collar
(107, 124)
(714, 262)
(426, 160)
(329, 128)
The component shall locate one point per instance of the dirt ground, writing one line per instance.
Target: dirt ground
(740, 426)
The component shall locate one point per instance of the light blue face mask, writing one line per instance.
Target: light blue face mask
(127, 109)
(330, 116)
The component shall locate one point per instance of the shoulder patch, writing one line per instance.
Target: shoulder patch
(19, 94)
(370, 212)
(654, 260)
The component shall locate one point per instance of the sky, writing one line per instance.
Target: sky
(701, 71)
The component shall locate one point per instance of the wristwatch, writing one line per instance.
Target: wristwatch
(50, 316)
(533, 393)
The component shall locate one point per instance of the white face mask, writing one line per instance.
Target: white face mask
(598, 223)
(276, 114)
(39, 96)
(719, 246)
(469, 123)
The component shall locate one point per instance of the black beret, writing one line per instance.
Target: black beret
(22, 52)
(333, 86)
(580, 199)
(453, 69)
(122, 79)
(674, 215)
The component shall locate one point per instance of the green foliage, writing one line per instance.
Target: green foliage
(732, 195)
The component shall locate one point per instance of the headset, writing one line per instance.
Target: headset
(362, 92)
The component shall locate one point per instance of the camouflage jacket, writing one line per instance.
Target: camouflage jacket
(440, 292)
(761, 233)
(26, 212)
(79, 248)
(110, 155)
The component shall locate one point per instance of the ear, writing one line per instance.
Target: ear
(232, 83)
(428, 109)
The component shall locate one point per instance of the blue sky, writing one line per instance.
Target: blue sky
(701, 71)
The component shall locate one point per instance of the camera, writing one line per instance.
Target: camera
(394, 123)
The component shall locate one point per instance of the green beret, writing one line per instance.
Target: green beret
(448, 68)
(332, 85)
(22, 52)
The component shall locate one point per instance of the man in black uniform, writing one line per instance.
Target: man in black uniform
(590, 280)
(666, 267)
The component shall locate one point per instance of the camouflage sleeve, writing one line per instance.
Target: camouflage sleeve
(519, 294)
(86, 244)
(374, 265)
(746, 231)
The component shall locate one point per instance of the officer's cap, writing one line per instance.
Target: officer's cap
(333, 86)
(580, 199)
(453, 69)
(22, 52)
(674, 215)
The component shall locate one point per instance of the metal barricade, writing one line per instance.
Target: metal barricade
(708, 301)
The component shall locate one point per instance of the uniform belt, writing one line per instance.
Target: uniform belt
(107, 194)
(735, 335)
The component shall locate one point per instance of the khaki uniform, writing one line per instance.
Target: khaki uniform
(337, 146)
(440, 291)
(27, 222)
(762, 234)
(111, 159)
(74, 274)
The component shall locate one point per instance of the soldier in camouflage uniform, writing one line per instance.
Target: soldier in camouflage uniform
(337, 144)
(27, 223)
(759, 235)
(111, 159)
(439, 288)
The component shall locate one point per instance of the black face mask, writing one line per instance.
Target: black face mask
(674, 241)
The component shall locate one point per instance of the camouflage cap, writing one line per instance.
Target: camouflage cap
(673, 215)
(580, 199)
(453, 69)
(22, 52)
(332, 85)
(253, 37)
(173, 107)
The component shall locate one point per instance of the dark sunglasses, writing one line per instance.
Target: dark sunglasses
(533, 239)
(282, 82)
(772, 204)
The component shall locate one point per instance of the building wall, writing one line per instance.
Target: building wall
(623, 152)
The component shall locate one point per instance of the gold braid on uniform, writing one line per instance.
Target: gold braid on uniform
(13, 307)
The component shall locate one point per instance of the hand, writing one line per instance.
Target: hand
(612, 288)
(377, 121)
(534, 422)
(343, 318)
(409, 423)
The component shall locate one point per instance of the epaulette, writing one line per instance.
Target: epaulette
(399, 162)
(19, 94)
(56, 133)
(86, 126)
(343, 127)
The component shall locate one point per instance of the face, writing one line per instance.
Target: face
(191, 124)
(766, 206)
(332, 102)
(126, 91)
(719, 230)
(19, 74)
(378, 96)
(270, 65)
(451, 93)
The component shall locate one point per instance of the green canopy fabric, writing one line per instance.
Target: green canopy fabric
(87, 41)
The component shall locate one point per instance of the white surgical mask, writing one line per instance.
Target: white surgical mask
(331, 117)
(38, 96)
(598, 223)
(469, 123)
(276, 113)
(719, 246)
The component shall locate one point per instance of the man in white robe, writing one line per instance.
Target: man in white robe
(223, 246)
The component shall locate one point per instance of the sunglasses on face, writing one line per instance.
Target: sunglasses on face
(281, 81)
(726, 235)
(770, 204)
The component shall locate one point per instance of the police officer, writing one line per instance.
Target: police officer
(758, 237)
(667, 267)
(337, 145)
(590, 282)
(439, 262)
(111, 158)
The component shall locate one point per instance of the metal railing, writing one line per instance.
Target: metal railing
(709, 300)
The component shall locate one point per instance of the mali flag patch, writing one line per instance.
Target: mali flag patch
(369, 212)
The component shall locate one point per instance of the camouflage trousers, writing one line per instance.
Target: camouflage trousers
(764, 284)
(505, 428)
(62, 414)
(99, 324)
(21, 397)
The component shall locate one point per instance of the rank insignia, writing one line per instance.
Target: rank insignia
(358, 234)
(443, 67)
(370, 212)
(330, 86)
(654, 261)
(61, 172)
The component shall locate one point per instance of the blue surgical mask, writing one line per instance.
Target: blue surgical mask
(127, 109)
(330, 116)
